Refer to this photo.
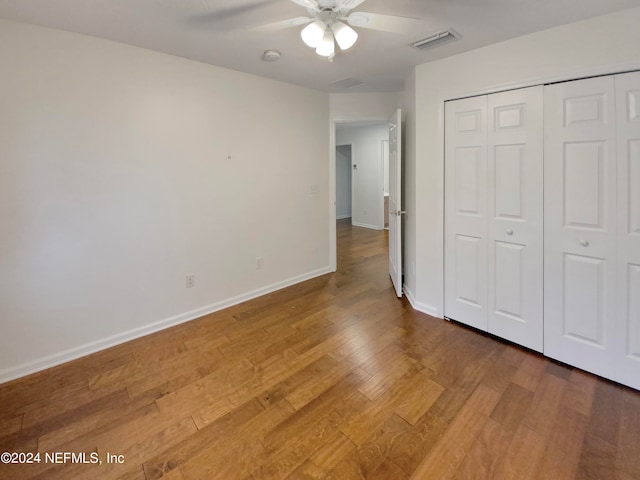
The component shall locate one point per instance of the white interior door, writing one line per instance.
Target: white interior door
(466, 211)
(580, 224)
(395, 201)
(515, 216)
(627, 348)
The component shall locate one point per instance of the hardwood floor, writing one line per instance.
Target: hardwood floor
(333, 378)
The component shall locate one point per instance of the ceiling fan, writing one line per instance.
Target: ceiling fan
(327, 22)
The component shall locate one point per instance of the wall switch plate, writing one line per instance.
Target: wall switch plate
(314, 189)
(191, 281)
(258, 263)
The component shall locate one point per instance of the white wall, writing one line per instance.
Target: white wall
(124, 170)
(367, 179)
(365, 106)
(343, 181)
(600, 45)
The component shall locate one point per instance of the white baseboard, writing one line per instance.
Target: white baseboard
(421, 307)
(365, 225)
(49, 361)
(342, 217)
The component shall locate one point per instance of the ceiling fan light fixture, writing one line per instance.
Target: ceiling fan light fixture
(327, 47)
(313, 33)
(345, 35)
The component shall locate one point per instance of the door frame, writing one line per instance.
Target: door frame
(385, 220)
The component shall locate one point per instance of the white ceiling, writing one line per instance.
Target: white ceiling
(221, 32)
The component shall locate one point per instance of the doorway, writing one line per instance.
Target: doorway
(365, 141)
(367, 174)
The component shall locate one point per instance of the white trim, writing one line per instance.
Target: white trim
(381, 182)
(333, 236)
(366, 225)
(77, 352)
(342, 217)
(564, 77)
(421, 307)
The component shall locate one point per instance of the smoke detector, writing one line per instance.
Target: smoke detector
(271, 55)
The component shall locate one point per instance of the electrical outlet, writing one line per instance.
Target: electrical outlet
(258, 263)
(191, 281)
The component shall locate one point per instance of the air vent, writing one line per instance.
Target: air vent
(348, 83)
(436, 39)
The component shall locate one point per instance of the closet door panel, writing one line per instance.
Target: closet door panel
(628, 327)
(580, 221)
(515, 216)
(466, 211)
(583, 299)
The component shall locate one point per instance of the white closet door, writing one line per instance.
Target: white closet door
(515, 224)
(466, 211)
(628, 126)
(580, 224)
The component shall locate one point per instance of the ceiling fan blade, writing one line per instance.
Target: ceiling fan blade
(348, 4)
(292, 22)
(386, 23)
(310, 4)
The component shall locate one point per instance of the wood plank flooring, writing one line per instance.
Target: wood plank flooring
(334, 378)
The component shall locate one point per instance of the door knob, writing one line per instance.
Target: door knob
(509, 231)
(584, 243)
